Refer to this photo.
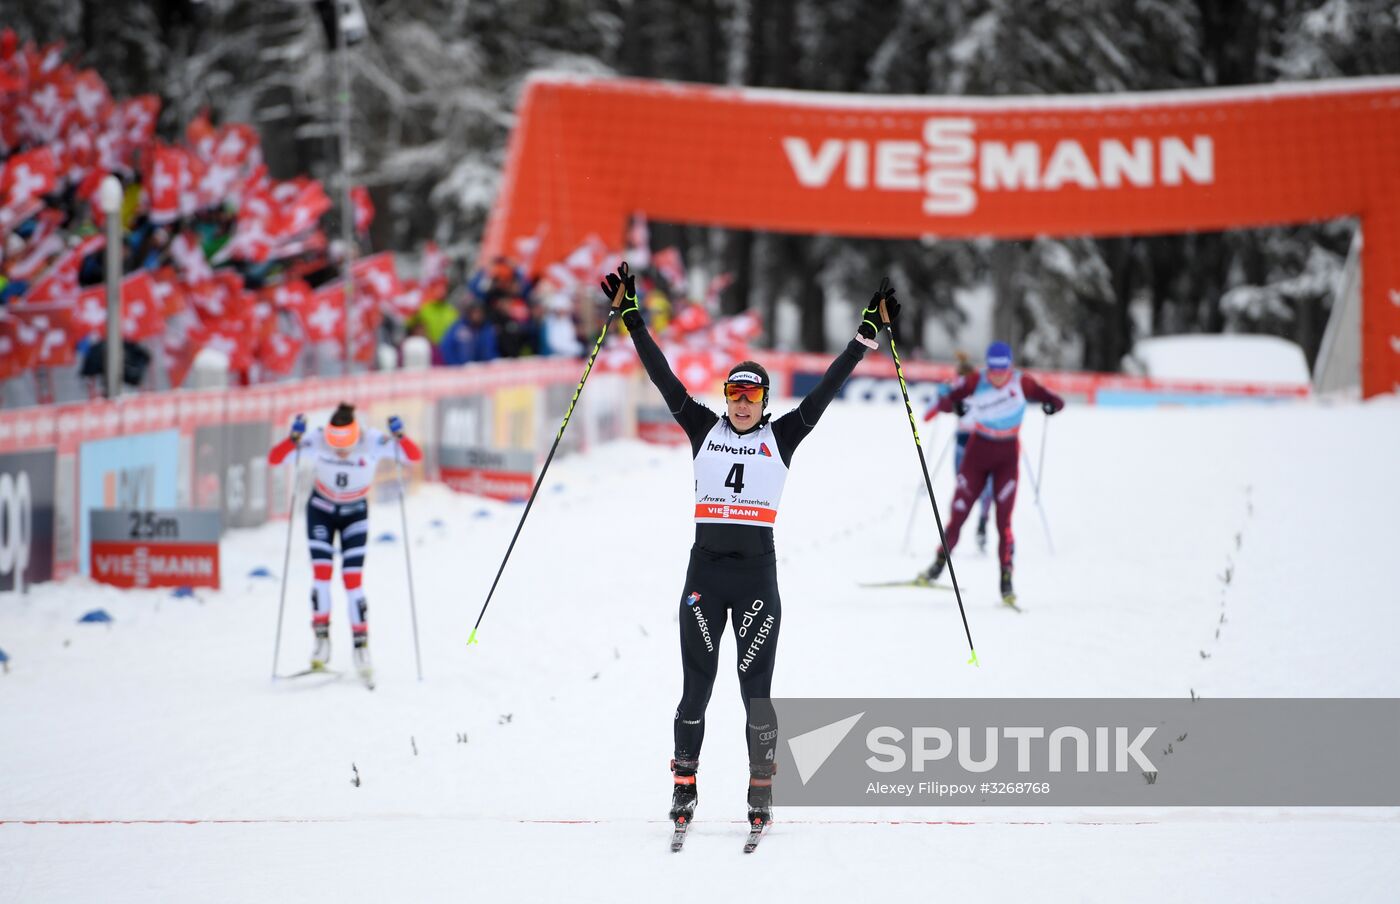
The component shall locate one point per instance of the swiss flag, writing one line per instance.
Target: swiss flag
(19, 347)
(142, 316)
(364, 208)
(138, 119)
(279, 352)
(89, 313)
(169, 294)
(189, 259)
(669, 264)
(292, 295)
(29, 175)
(61, 280)
(56, 342)
(408, 300)
(91, 97)
(230, 336)
(305, 209)
(200, 135)
(323, 318)
(377, 276)
(433, 275)
(692, 317)
(168, 168)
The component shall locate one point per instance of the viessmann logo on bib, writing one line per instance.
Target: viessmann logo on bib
(951, 165)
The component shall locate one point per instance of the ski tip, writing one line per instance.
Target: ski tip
(973, 661)
(472, 639)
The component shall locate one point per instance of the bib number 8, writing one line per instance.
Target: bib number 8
(342, 479)
(735, 480)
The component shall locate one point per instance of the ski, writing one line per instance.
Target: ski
(678, 836)
(915, 582)
(312, 671)
(755, 833)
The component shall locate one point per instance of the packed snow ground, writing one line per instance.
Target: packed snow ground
(534, 764)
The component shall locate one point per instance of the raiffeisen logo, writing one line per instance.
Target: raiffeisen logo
(951, 166)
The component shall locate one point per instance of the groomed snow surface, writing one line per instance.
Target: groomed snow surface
(534, 765)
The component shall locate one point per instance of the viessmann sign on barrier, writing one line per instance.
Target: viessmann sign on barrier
(862, 165)
(155, 548)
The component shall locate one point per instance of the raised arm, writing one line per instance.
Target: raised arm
(694, 418)
(793, 427)
(279, 452)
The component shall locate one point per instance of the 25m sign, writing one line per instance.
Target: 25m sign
(155, 548)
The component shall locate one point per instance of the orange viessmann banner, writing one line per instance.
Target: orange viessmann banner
(586, 153)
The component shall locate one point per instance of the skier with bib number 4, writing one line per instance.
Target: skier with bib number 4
(995, 398)
(345, 462)
(741, 460)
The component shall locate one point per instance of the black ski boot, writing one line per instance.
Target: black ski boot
(982, 534)
(683, 792)
(934, 571)
(682, 800)
(1008, 596)
(761, 795)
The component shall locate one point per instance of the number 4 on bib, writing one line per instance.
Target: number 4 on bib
(735, 480)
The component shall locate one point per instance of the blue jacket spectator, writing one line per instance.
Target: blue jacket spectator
(471, 338)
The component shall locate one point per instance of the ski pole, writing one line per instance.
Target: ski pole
(923, 463)
(1035, 485)
(287, 555)
(947, 444)
(909, 525)
(913, 503)
(1044, 429)
(612, 312)
(408, 562)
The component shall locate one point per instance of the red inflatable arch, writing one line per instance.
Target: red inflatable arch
(586, 153)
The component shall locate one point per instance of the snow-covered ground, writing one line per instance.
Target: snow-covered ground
(533, 766)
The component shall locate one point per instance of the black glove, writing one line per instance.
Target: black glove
(960, 407)
(622, 281)
(1048, 407)
(871, 320)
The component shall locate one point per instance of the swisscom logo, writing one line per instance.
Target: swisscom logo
(951, 165)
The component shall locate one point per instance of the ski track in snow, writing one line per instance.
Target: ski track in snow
(155, 760)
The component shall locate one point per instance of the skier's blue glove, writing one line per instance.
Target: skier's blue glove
(298, 427)
(396, 426)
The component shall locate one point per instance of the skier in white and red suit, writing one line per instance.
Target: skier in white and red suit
(345, 462)
(996, 398)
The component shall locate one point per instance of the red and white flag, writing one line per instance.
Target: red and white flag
(377, 276)
(278, 353)
(364, 209)
(189, 259)
(28, 175)
(323, 319)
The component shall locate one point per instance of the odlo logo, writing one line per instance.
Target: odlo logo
(16, 525)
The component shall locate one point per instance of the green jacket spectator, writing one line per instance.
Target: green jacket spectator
(436, 318)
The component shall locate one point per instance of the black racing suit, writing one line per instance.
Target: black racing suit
(732, 566)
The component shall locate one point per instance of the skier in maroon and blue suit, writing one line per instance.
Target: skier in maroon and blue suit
(996, 399)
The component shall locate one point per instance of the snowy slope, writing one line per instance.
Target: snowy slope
(473, 783)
